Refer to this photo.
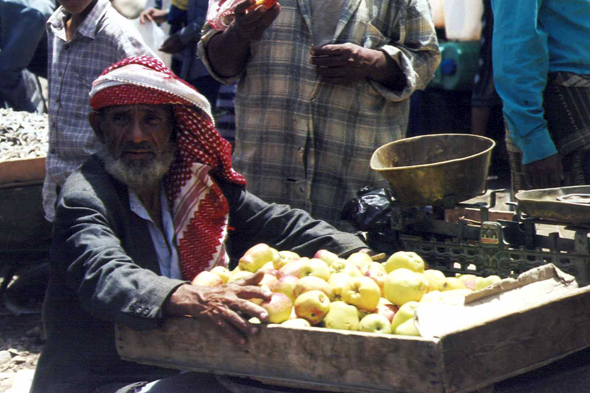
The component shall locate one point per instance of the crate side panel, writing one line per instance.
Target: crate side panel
(341, 359)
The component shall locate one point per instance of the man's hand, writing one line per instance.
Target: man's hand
(172, 44)
(348, 63)
(226, 306)
(545, 173)
(250, 25)
(153, 15)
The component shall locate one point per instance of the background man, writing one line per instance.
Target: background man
(321, 85)
(542, 73)
(85, 37)
(158, 204)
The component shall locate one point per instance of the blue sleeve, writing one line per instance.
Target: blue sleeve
(521, 64)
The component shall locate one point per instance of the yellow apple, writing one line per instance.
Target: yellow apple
(432, 297)
(326, 256)
(315, 267)
(286, 284)
(311, 283)
(375, 323)
(344, 266)
(339, 282)
(284, 257)
(405, 313)
(377, 273)
(238, 275)
(403, 285)
(405, 259)
(487, 281)
(222, 272)
(436, 279)
(292, 267)
(269, 280)
(363, 293)
(296, 323)
(360, 259)
(279, 307)
(469, 280)
(342, 316)
(408, 328)
(256, 257)
(207, 279)
(312, 306)
(453, 283)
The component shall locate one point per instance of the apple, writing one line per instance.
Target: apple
(403, 285)
(222, 272)
(207, 279)
(257, 256)
(344, 266)
(238, 275)
(292, 267)
(375, 323)
(342, 316)
(405, 259)
(386, 308)
(436, 279)
(312, 306)
(363, 293)
(326, 256)
(408, 328)
(405, 313)
(486, 282)
(453, 283)
(315, 267)
(269, 268)
(279, 307)
(376, 272)
(296, 323)
(311, 283)
(286, 284)
(432, 297)
(339, 282)
(269, 280)
(360, 260)
(469, 280)
(284, 257)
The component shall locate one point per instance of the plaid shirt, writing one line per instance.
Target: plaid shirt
(307, 143)
(104, 38)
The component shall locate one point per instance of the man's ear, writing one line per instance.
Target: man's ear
(95, 120)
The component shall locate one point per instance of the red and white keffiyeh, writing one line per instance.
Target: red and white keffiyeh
(199, 209)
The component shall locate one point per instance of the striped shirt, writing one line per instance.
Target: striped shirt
(103, 38)
(307, 143)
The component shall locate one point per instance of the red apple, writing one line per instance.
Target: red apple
(279, 307)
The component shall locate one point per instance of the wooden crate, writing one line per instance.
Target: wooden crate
(333, 360)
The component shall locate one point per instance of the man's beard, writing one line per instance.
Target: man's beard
(138, 174)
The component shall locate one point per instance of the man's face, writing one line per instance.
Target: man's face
(75, 7)
(137, 138)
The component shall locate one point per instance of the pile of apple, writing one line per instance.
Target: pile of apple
(356, 293)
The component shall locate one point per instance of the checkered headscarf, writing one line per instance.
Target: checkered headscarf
(199, 209)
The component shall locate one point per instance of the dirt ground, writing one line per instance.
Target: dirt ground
(21, 342)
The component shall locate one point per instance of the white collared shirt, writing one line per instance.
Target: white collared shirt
(164, 243)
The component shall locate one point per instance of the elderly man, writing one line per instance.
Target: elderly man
(158, 204)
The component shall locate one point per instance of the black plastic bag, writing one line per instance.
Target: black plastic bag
(370, 210)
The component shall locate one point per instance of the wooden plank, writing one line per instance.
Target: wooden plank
(518, 343)
(314, 357)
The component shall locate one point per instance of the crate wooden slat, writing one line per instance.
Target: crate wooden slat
(462, 361)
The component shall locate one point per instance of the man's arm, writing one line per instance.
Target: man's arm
(521, 65)
(255, 221)
(228, 51)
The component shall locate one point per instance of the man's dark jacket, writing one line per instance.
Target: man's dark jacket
(105, 271)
